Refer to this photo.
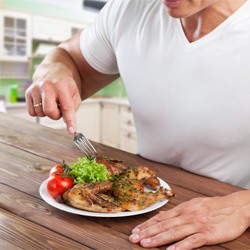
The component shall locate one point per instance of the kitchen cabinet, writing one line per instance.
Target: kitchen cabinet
(89, 121)
(128, 136)
(128, 141)
(14, 70)
(49, 29)
(110, 124)
(15, 45)
(118, 129)
(15, 39)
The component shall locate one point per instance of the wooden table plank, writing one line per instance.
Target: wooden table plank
(8, 245)
(80, 229)
(27, 235)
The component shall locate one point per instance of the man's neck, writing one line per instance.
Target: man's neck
(202, 23)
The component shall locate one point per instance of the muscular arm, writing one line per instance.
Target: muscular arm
(90, 80)
(63, 79)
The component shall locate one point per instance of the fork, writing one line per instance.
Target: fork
(85, 145)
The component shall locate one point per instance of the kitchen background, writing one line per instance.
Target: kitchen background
(29, 29)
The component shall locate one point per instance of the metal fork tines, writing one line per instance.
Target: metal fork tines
(85, 145)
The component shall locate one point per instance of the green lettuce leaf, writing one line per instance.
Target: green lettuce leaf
(88, 171)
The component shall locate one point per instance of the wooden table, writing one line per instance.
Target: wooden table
(29, 150)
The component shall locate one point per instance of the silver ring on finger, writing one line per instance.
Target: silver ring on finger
(37, 105)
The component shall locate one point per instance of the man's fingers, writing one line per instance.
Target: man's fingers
(69, 116)
(34, 102)
(29, 102)
(163, 215)
(69, 101)
(59, 106)
(164, 226)
(174, 234)
(192, 242)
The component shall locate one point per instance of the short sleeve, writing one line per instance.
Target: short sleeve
(96, 41)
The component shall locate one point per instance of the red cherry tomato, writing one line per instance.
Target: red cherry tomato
(58, 183)
(57, 169)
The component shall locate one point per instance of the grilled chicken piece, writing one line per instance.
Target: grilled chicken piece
(142, 200)
(92, 197)
(113, 166)
(129, 189)
(125, 194)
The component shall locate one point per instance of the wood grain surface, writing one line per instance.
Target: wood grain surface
(27, 153)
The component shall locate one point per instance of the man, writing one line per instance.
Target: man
(185, 65)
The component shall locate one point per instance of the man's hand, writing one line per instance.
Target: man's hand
(62, 81)
(54, 95)
(198, 222)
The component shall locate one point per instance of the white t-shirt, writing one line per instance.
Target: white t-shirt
(191, 101)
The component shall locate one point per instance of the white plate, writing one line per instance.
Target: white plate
(46, 197)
